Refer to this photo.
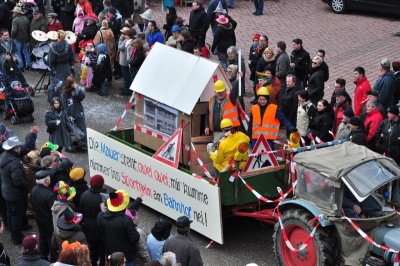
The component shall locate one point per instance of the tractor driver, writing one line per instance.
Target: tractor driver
(221, 105)
(232, 145)
(352, 208)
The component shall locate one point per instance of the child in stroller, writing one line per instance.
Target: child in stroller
(17, 103)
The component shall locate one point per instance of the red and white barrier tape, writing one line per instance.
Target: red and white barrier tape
(203, 167)
(156, 135)
(127, 106)
(367, 237)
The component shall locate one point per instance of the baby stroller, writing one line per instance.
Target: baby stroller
(18, 104)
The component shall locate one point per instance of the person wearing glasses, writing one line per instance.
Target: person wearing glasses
(316, 83)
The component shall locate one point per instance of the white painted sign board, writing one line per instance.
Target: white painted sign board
(168, 190)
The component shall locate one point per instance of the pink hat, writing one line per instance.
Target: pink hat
(222, 20)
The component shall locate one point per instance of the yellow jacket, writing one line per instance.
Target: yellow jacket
(227, 149)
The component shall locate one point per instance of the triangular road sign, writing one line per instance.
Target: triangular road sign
(170, 151)
(262, 160)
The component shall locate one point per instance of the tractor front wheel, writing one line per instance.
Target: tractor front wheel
(321, 249)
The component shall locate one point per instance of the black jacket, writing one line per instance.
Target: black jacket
(289, 104)
(198, 22)
(89, 31)
(5, 21)
(224, 38)
(136, 62)
(301, 59)
(321, 124)
(14, 180)
(119, 234)
(388, 139)
(90, 207)
(316, 85)
(42, 201)
(67, 15)
(358, 136)
(80, 187)
(188, 45)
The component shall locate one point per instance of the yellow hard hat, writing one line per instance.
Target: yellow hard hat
(263, 91)
(219, 86)
(226, 123)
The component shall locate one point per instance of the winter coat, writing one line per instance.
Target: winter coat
(59, 134)
(103, 69)
(360, 95)
(90, 207)
(316, 85)
(263, 63)
(72, 235)
(20, 29)
(123, 6)
(188, 45)
(42, 200)
(321, 124)
(185, 250)
(106, 36)
(371, 124)
(198, 23)
(55, 26)
(343, 131)
(282, 66)
(67, 15)
(385, 87)
(74, 108)
(358, 136)
(142, 255)
(224, 38)
(155, 36)
(123, 46)
(388, 139)
(305, 113)
(14, 180)
(227, 149)
(89, 32)
(339, 110)
(61, 58)
(78, 25)
(119, 234)
(5, 21)
(173, 43)
(289, 104)
(397, 87)
(301, 59)
(57, 210)
(80, 186)
(325, 69)
(32, 260)
(136, 62)
(155, 247)
(37, 24)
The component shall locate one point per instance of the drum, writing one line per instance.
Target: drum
(38, 52)
(45, 46)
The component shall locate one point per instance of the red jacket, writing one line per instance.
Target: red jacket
(338, 116)
(360, 95)
(371, 123)
(56, 26)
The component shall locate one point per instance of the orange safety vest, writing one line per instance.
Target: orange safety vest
(269, 126)
(229, 110)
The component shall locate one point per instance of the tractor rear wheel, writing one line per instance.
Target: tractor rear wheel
(321, 249)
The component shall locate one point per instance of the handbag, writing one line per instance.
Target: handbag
(117, 57)
(77, 134)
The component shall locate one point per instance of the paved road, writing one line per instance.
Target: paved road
(350, 40)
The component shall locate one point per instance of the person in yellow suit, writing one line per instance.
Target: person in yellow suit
(228, 147)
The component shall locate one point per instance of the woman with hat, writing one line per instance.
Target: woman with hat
(90, 29)
(67, 229)
(224, 38)
(118, 230)
(175, 39)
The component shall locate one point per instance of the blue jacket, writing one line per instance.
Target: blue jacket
(155, 36)
(385, 87)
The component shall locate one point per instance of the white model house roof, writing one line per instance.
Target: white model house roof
(177, 79)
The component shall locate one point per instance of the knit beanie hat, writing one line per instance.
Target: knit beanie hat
(97, 181)
(77, 174)
(47, 161)
(256, 36)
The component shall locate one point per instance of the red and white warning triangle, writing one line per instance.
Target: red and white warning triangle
(260, 156)
(169, 152)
